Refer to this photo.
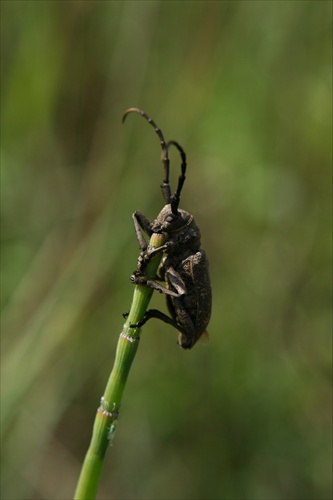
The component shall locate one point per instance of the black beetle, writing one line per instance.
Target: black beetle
(184, 267)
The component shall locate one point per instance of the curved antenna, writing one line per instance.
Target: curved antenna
(175, 199)
(165, 158)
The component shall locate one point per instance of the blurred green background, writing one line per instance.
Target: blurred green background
(245, 87)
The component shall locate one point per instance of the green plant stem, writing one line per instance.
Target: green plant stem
(107, 413)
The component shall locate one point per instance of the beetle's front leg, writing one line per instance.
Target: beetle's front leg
(141, 222)
(146, 255)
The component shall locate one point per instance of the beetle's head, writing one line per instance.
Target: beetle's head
(169, 222)
(182, 232)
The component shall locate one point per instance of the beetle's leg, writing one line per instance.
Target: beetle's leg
(187, 336)
(141, 222)
(155, 313)
(185, 340)
(176, 281)
(139, 279)
(146, 255)
(148, 252)
(154, 251)
(162, 289)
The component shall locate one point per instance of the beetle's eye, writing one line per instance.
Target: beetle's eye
(169, 218)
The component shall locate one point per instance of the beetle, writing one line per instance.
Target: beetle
(184, 266)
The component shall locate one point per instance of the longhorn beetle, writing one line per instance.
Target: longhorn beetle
(184, 267)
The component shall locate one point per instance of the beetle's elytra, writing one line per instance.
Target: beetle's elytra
(184, 267)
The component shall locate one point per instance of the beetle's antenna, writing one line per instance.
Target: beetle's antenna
(165, 158)
(175, 199)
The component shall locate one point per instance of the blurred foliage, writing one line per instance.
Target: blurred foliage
(245, 87)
